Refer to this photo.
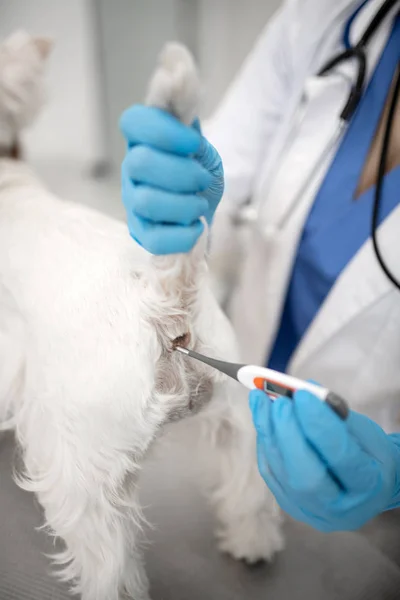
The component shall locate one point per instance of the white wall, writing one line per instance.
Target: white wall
(228, 30)
(220, 32)
(80, 121)
(132, 34)
(69, 126)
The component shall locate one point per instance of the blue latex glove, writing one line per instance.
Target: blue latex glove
(331, 474)
(171, 176)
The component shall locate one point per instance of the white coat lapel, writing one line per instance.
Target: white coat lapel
(273, 245)
(314, 136)
(363, 281)
(361, 284)
(315, 130)
(284, 197)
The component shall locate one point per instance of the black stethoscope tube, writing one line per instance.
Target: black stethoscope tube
(380, 179)
(358, 53)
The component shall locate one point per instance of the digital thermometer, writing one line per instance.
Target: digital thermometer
(271, 382)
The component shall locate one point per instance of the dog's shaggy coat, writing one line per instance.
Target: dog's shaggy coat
(88, 376)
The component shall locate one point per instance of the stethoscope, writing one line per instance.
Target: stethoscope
(359, 54)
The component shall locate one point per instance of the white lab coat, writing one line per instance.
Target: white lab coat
(272, 130)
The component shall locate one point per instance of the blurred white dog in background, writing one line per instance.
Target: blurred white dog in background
(88, 375)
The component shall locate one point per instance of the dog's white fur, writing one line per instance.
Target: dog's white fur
(87, 376)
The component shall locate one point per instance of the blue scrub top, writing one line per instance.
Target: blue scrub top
(338, 224)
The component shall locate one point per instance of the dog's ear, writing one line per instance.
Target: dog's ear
(22, 61)
(20, 44)
(43, 45)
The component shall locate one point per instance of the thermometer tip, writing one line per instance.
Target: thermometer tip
(181, 349)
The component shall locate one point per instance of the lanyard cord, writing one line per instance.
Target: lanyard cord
(381, 177)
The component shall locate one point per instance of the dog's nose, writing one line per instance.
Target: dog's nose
(182, 340)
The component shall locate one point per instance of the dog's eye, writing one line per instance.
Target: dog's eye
(181, 340)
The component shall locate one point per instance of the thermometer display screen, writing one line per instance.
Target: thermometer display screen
(274, 390)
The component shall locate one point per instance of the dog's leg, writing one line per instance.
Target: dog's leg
(85, 488)
(249, 520)
(134, 583)
(105, 556)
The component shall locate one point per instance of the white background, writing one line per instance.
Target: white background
(87, 89)
(70, 124)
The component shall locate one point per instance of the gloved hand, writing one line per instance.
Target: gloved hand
(331, 474)
(171, 176)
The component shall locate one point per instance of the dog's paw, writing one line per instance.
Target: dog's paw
(252, 539)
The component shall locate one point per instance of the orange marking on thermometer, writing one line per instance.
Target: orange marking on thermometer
(273, 388)
(271, 382)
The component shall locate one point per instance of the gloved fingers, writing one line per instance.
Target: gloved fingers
(158, 206)
(164, 239)
(369, 435)
(286, 502)
(306, 473)
(168, 172)
(196, 125)
(309, 500)
(264, 467)
(209, 158)
(272, 482)
(331, 439)
(157, 128)
(290, 459)
(261, 407)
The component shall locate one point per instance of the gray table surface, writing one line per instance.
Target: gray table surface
(182, 560)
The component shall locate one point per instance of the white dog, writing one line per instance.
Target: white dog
(88, 375)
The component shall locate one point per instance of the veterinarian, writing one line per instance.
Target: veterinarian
(311, 153)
